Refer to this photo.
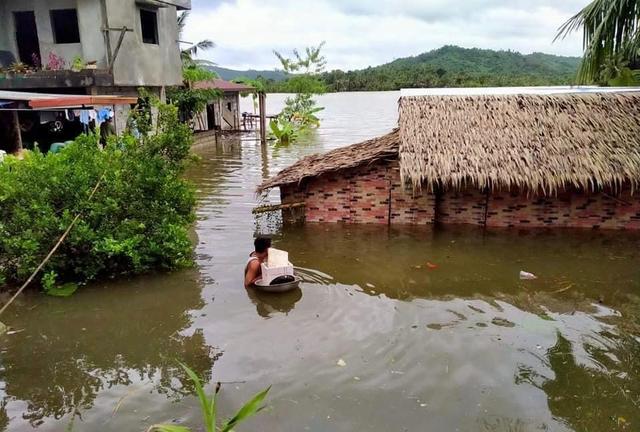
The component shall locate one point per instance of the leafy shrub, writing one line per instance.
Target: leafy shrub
(137, 221)
(191, 101)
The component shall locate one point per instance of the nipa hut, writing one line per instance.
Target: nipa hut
(491, 157)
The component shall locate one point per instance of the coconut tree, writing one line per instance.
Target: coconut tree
(187, 54)
(611, 35)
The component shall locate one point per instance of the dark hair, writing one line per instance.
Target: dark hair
(261, 244)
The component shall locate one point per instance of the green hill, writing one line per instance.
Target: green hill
(230, 74)
(452, 66)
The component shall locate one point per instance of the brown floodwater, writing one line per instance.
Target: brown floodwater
(433, 328)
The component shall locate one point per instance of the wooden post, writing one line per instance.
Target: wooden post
(10, 138)
(263, 118)
(105, 29)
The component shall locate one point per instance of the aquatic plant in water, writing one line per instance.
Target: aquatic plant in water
(299, 113)
(209, 408)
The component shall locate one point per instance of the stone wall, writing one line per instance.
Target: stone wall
(375, 194)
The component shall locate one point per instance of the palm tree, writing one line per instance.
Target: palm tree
(611, 31)
(187, 54)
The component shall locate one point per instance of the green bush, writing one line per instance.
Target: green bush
(137, 221)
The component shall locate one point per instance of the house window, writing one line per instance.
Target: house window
(64, 23)
(149, 26)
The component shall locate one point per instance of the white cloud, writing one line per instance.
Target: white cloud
(361, 33)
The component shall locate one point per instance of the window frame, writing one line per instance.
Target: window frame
(156, 35)
(54, 28)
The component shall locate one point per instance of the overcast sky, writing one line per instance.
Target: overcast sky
(360, 33)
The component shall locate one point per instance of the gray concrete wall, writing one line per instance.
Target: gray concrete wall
(43, 22)
(90, 22)
(4, 25)
(230, 110)
(145, 64)
(138, 64)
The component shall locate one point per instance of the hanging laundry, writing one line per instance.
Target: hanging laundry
(84, 117)
(104, 114)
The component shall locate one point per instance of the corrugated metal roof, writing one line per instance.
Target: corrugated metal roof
(43, 101)
(223, 85)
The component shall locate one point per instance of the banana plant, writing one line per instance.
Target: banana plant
(283, 130)
(209, 409)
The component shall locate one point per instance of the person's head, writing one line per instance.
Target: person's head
(261, 246)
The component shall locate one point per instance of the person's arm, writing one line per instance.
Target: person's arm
(253, 272)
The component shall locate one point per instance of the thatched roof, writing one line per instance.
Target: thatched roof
(535, 141)
(351, 156)
(532, 141)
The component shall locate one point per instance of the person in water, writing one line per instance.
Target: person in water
(252, 271)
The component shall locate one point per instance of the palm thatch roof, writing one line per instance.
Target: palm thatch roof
(533, 141)
(363, 153)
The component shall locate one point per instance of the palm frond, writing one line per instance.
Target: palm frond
(182, 22)
(609, 27)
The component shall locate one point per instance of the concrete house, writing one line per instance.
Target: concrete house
(126, 44)
(222, 113)
(530, 157)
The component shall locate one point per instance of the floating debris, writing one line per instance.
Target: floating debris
(527, 276)
(341, 363)
(502, 322)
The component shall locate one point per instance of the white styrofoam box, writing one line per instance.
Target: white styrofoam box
(277, 258)
(270, 273)
(277, 265)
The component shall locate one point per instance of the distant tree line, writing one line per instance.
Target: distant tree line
(450, 66)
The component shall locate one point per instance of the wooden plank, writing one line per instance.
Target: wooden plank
(276, 207)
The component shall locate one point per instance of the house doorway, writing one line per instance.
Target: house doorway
(27, 38)
(211, 117)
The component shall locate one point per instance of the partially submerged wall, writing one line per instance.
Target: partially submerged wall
(368, 194)
(374, 194)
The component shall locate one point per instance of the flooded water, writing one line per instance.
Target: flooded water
(433, 329)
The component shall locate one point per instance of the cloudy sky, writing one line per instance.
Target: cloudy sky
(359, 33)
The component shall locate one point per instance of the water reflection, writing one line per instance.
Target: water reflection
(92, 342)
(407, 263)
(602, 395)
(269, 304)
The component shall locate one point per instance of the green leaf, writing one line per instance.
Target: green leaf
(204, 400)
(274, 128)
(65, 290)
(249, 409)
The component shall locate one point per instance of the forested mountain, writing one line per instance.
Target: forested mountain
(231, 74)
(449, 66)
(452, 66)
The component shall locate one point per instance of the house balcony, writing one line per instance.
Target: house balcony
(56, 79)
